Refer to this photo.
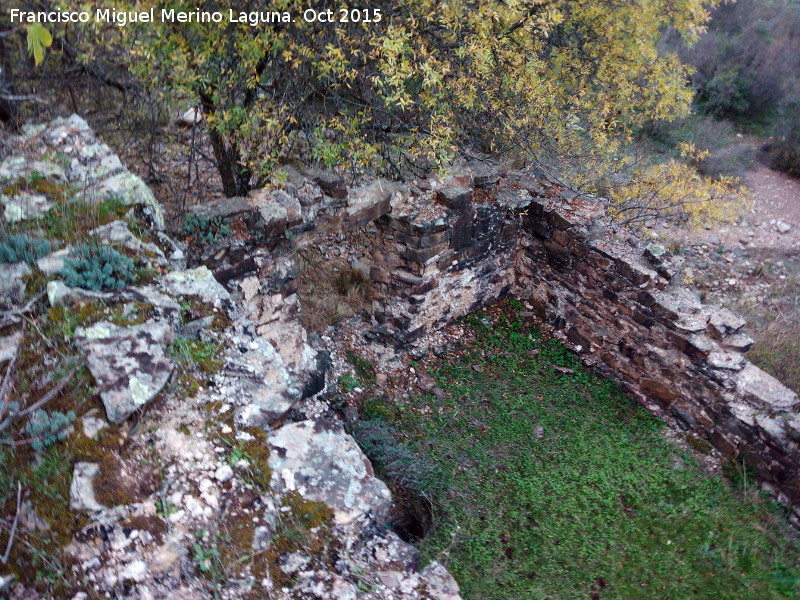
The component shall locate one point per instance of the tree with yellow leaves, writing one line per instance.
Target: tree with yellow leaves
(403, 86)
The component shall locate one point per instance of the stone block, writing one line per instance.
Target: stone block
(558, 220)
(456, 198)
(634, 271)
(223, 208)
(407, 278)
(728, 361)
(332, 184)
(598, 260)
(557, 256)
(421, 255)
(579, 249)
(738, 342)
(723, 323)
(462, 234)
(764, 390)
(561, 238)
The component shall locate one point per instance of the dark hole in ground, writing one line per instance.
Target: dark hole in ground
(411, 517)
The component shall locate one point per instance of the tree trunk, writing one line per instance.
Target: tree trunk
(225, 165)
(8, 112)
(235, 179)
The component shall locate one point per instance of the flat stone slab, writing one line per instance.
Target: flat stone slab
(128, 363)
(264, 384)
(195, 282)
(223, 208)
(81, 491)
(764, 391)
(25, 206)
(322, 463)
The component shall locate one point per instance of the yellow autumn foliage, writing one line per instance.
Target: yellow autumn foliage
(413, 83)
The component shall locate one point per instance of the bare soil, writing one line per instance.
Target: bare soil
(753, 268)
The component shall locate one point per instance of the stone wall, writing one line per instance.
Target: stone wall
(439, 256)
(466, 242)
(445, 248)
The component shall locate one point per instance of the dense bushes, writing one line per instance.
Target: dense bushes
(748, 63)
(747, 69)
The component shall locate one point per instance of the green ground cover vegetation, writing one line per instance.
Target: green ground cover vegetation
(551, 483)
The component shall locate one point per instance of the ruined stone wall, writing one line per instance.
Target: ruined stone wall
(449, 250)
(444, 248)
(440, 256)
(621, 309)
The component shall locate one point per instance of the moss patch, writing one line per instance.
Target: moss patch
(304, 528)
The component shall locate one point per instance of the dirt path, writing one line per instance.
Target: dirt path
(777, 205)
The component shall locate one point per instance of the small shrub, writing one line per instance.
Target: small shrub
(45, 429)
(353, 283)
(23, 247)
(203, 231)
(98, 268)
(784, 156)
(729, 162)
(393, 459)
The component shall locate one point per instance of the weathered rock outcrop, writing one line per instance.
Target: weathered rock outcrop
(214, 489)
(128, 363)
(74, 156)
(323, 463)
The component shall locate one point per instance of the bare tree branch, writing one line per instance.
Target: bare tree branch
(10, 544)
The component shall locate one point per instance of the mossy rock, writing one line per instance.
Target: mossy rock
(305, 528)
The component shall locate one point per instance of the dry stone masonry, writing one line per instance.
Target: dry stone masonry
(443, 248)
(315, 526)
(446, 247)
(622, 309)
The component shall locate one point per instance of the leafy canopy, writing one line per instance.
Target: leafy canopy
(412, 83)
(533, 78)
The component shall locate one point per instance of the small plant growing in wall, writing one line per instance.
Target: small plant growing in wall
(98, 268)
(202, 231)
(23, 247)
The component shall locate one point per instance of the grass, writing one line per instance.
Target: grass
(329, 288)
(207, 356)
(70, 219)
(556, 485)
(774, 321)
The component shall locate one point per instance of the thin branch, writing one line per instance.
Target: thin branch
(10, 544)
(21, 97)
(9, 317)
(5, 387)
(39, 403)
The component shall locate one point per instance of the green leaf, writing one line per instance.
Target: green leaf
(39, 38)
